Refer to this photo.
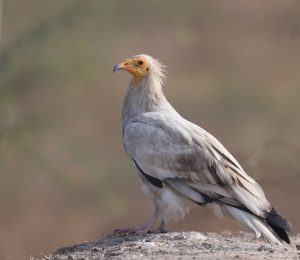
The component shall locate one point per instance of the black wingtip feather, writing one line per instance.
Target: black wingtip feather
(274, 218)
(280, 232)
(279, 225)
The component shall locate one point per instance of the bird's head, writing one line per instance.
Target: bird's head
(140, 66)
(137, 66)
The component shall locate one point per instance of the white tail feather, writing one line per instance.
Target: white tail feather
(257, 225)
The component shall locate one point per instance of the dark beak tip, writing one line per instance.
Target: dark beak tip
(117, 67)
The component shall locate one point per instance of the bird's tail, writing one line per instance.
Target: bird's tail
(273, 228)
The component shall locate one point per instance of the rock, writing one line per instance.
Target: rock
(178, 245)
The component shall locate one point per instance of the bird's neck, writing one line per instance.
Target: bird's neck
(146, 96)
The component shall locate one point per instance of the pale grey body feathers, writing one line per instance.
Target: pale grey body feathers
(191, 163)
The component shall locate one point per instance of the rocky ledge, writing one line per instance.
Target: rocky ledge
(178, 245)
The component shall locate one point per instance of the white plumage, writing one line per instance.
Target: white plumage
(180, 163)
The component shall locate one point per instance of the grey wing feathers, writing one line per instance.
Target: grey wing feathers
(192, 161)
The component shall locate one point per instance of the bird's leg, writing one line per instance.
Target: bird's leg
(162, 227)
(148, 226)
(143, 229)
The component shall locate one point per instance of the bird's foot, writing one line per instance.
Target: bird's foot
(138, 230)
(159, 231)
(143, 229)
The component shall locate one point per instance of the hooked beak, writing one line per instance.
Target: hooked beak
(118, 67)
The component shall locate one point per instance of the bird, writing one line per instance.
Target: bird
(180, 164)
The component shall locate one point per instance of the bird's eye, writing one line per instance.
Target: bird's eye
(141, 62)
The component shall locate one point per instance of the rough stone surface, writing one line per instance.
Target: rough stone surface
(178, 245)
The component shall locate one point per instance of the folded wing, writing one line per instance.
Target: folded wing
(175, 151)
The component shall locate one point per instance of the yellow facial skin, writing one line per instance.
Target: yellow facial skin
(137, 66)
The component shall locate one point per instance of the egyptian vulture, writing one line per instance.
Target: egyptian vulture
(179, 162)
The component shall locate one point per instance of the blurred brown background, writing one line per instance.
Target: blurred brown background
(233, 68)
